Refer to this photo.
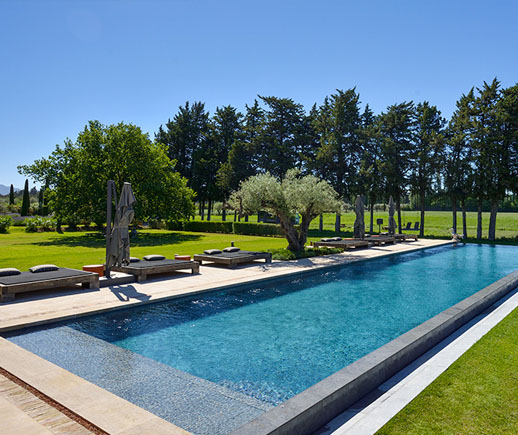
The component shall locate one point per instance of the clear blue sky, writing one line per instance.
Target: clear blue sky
(66, 62)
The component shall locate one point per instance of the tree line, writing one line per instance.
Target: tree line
(408, 149)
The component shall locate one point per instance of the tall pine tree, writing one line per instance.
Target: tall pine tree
(338, 157)
(398, 137)
(426, 154)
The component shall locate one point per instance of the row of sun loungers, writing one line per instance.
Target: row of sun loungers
(338, 242)
(49, 276)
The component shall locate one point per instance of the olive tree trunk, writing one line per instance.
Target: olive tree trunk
(337, 223)
(296, 238)
(321, 223)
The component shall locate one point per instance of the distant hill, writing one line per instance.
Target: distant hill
(4, 190)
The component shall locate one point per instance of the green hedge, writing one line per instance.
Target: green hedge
(208, 227)
(244, 228)
(253, 229)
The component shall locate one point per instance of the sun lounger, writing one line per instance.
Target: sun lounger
(343, 244)
(29, 281)
(408, 227)
(232, 259)
(381, 240)
(142, 268)
(405, 237)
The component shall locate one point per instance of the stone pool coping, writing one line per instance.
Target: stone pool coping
(108, 411)
(313, 408)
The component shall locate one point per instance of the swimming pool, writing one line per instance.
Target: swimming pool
(265, 344)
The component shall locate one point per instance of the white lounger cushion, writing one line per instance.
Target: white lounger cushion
(44, 268)
(153, 257)
(9, 271)
(231, 249)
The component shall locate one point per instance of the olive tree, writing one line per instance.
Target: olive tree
(307, 196)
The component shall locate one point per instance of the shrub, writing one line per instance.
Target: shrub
(5, 223)
(286, 254)
(253, 229)
(33, 225)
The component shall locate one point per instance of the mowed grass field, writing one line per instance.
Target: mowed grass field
(437, 223)
(75, 249)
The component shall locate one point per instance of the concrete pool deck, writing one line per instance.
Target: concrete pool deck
(109, 412)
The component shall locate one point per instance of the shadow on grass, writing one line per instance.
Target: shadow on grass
(97, 240)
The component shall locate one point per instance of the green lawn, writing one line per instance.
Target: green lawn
(478, 394)
(75, 249)
(437, 223)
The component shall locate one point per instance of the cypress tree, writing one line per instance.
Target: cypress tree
(25, 202)
(11, 195)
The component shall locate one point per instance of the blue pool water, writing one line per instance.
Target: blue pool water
(272, 341)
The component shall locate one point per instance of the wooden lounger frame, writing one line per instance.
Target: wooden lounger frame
(381, 240)
(344, 244)
(8, 291)
(232, 262)
(142, 272)
(405, 237)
